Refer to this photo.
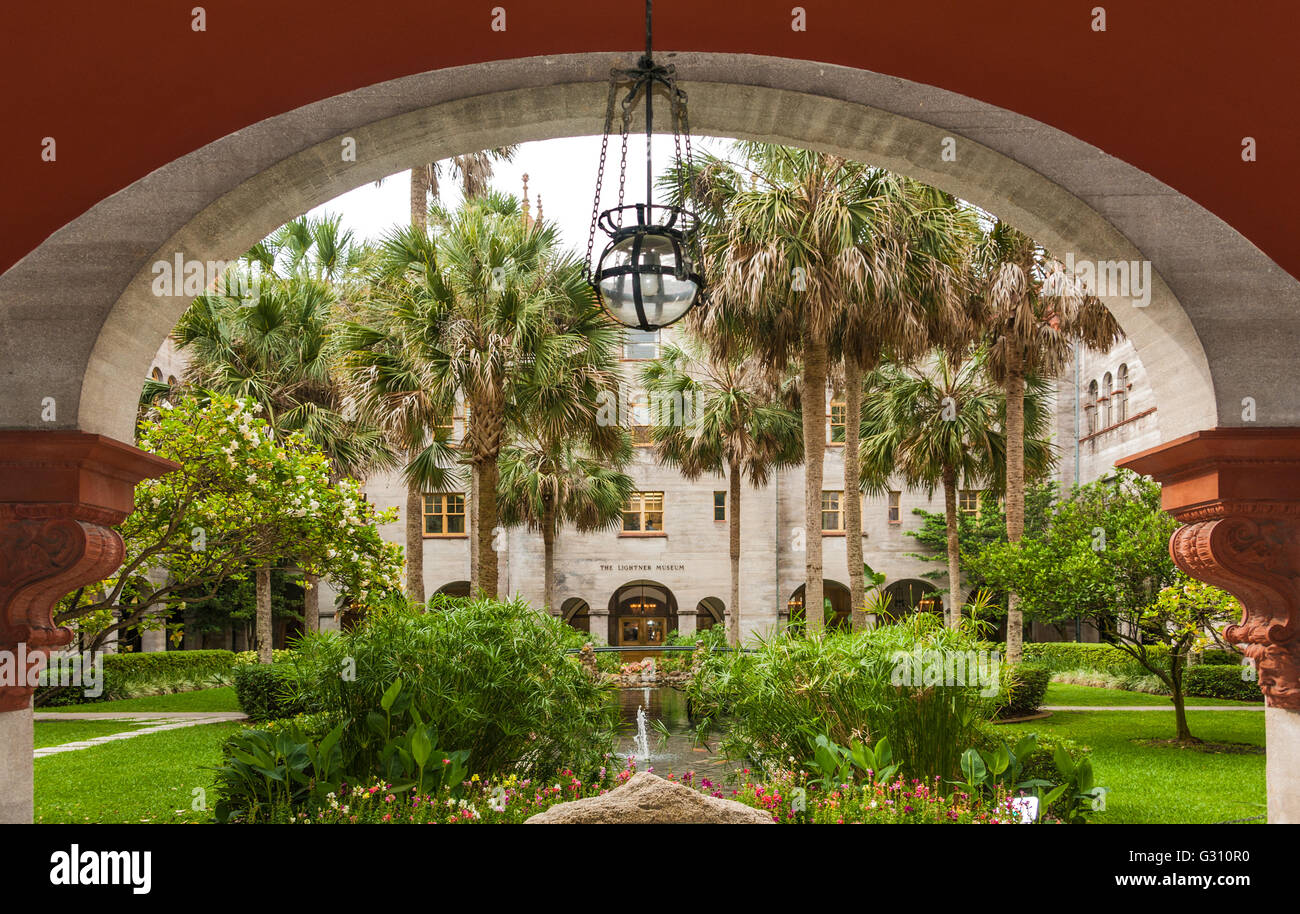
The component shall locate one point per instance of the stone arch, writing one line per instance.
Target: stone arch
(911, 595)
(576, 612)
(649, 610)
(709, 612)
(454, 589)
(212, 204)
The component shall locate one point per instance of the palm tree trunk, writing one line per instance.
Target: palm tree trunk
(1015, 390)
(471, 520)
(485, 522)
(311, 604)
(264, 615)
(414, 543)
(419, 196)
(953, 614)
(852, 488)
(733, 523)
(548, 557)
(813, 395)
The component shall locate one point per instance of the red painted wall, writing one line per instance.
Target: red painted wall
(1172, 86)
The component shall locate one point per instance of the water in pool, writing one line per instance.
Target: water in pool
(678, 753)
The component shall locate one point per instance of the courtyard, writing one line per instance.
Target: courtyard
(893, 448)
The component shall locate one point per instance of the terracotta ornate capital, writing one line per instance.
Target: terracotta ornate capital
(1237, 490)
(60, 495)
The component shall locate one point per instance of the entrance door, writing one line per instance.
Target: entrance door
(642, 630)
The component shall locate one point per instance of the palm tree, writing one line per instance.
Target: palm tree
(939, 422)
(270, 340)
(546, 485)
(915, 245)
(1028, 330)
(731, 418)
(473, 170)
(783, 237)
(486, 312)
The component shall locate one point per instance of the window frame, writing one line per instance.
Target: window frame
(638, 498)
(719, 507)
(624, 344)
(425, 514)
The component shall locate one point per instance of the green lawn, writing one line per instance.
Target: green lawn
(1163, 783)
(58, 732)
(218, 699)
(1058, 693)
(147, 779)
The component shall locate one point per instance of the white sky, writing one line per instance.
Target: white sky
(563, 171)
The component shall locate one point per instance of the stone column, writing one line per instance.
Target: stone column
(599, 626)
(60, 495)
(1237, 491)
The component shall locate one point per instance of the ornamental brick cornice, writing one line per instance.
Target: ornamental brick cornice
(1237, 492)
(61, 493)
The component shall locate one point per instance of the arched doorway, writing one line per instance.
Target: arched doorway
(576, 612)
(454, 589)
(641, 614)
(711, 611)
(912, 596)
(836, 606)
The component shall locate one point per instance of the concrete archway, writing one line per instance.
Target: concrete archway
(81, 315)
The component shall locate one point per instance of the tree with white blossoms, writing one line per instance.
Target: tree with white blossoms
(241, 499)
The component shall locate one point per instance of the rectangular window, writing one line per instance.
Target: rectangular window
(833, 511)
(640, 345)
(719, 505)
(639, 416)
(895, 507)
(444, 514)
(837, 423)
(968, 501)
(644, 513)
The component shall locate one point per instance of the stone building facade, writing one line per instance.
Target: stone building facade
(625, 587)
(636, 586)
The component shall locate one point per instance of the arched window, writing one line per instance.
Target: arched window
(1121, 395)
(1107, 388)
(1090, 409)
(156, 374)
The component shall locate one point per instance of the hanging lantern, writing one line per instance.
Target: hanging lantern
(647, 276)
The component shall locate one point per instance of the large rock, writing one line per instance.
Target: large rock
(650, 800)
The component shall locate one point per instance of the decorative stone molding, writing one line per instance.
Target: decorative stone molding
(1237, 490)
(60, 495)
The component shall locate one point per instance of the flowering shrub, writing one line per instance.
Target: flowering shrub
(790, 800)
(513, 800)
(241, 498)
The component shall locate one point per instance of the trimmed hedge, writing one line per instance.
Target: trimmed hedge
(1219, 681)
(126, 674)
(1218, 657)
(1060, 656)
(264, 693)
(277, 655)
(1021, 690)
